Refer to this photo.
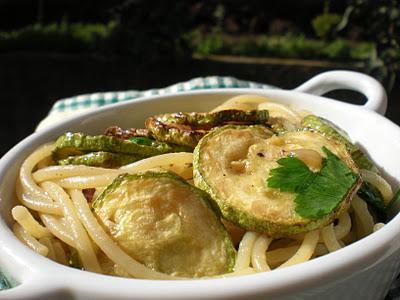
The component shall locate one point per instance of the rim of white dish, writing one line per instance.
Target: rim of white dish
(332, 266)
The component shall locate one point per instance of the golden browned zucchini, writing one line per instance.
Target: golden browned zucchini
(233, 164)
(167, 224)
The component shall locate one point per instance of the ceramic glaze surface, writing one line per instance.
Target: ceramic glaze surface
(363, 270)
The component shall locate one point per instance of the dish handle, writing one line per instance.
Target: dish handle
(348, 80)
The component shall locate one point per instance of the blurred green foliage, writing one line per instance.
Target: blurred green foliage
(150, 32)
(288, 46)
(325, 24)
(57, 37)
(143, 44)
(380, 21)
(145, 32)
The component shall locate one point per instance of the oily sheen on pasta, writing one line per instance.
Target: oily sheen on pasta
(259, 187)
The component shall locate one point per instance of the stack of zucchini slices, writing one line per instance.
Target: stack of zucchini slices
(174, 227)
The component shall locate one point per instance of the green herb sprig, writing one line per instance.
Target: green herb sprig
(319, 193)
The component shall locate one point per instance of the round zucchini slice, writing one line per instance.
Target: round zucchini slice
(233, 164)
(330, 130)
(166, 224)
(187, 129)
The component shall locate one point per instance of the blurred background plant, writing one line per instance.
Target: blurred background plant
(325, 24)
(157, 31)
(57, 37)
(55, 49)
(151, 31)
(380, 23)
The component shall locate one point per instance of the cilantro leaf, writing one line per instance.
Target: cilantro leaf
(293, 175)
(318, 194)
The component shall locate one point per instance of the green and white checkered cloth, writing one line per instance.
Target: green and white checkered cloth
(71, 106)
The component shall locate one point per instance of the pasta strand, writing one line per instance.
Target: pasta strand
(47, 242)
(57, 229)
(381, 184)
(258, 255)
(82, 242)
(22, 215)
(245, 248)
(305, 251)
(366, 222)
(329, 237)
(29, 240)
(58, 172)
(28, 165)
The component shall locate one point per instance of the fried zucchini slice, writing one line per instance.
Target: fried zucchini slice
(367, 192)
(166, 224)
(232, 164)
(327, 128)
(101, 159)
(124, 134)
(188, 128)
(71, 144)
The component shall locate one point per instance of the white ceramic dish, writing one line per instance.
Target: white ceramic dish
(363, 270)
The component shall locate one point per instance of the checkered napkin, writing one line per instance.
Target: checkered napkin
(71, 106)
(74, 105)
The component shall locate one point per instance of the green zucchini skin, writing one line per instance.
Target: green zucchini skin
(227, 200)
(325, 127)
(366, 192)
(101, 159)
(373, 198)
(393, 204)
(188, 128)
(71, 144)
(157, 253)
